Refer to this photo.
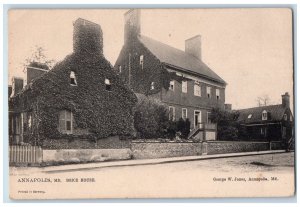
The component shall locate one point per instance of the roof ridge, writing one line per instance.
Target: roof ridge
(260, 107)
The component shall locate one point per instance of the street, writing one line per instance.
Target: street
(259, 175)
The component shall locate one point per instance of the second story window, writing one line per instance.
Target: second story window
(208, 91)
(172, 85)
(107, 84)
(73, 81)
(218, 94)
(184, 86)
(197, 89)
(152, 86)
(264, 115)
(142, 61)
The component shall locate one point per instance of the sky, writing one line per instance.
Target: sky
(251, 49)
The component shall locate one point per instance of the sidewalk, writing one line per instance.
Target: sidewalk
(88, 166)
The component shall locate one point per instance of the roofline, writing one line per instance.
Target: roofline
(193, 37)
(38, 68)
(86, 20)
(194, 73)
(258, 107)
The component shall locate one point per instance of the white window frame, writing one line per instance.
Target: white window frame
(65, 131)
(173, 118)
(208, 91)
(218, 94)
(172, 85)
(107, 83)
(197, 89)
(152, 86)
(264, 115)
(120, 68)
(142, 61)
(73, 76)
(184, 113)
(200, 115)
(184, 86)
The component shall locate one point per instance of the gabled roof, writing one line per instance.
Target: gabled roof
(178, 58)
(275, 113)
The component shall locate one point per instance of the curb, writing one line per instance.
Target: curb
(160, 161)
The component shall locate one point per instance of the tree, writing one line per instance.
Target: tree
(39, 59)
(226, 122)
(263, 100)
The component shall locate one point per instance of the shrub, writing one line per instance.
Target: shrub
(150, 118)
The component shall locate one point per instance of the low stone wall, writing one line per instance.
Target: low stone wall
(222, 147)
(277, 145)
(106, 143)
(148, 150)
(62, 156)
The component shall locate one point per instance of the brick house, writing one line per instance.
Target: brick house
(273, 122)
(81, 97)
(179, 79)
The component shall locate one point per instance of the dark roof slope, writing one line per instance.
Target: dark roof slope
(179, 58)
(275, 113)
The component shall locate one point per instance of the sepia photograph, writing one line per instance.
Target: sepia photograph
(151, 103)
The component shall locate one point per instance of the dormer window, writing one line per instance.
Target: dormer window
(73, 81)
(285, 117)
(249, 116)
(107, 84)
(152, 86)
(264, 115)
(120, 69)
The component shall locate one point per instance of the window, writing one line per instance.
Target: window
(142, 61)
(291, 117)
(218, 94)
(249, 116)
(73, 81)
(172, 85)
(120, 69)
(209, 118)
(172, 113)
(107, 84)
(197, 89)
(285, 117)
(208, 91)
(264, 115)
(65, 122)
(184, 113)
(184, 86)
(152, 86)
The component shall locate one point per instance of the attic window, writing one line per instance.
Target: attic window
(73, 81)
(120, 68)
(152, 86)
(249, 116)
(107, 84)
(264, 115)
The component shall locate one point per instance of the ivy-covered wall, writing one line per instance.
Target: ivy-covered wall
(102, 113)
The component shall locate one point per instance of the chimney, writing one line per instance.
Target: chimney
(228, 107)
(132, 24)
(17, 85)
(286, 100)
(34, 72)
(87, 37)
(193, 46)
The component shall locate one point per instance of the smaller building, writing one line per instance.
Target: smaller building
(268, 123)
